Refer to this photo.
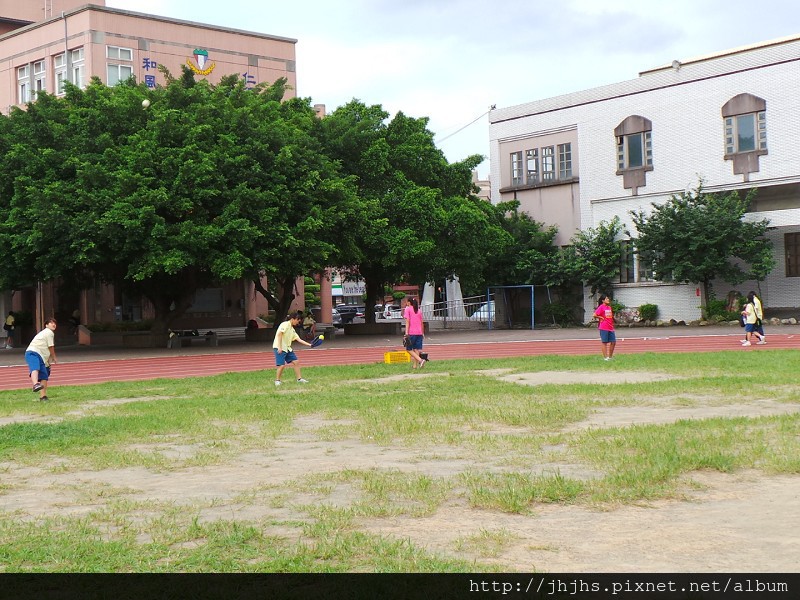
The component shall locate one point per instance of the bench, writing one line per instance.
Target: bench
(181, 338)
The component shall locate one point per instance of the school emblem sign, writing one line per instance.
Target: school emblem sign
(200, 62)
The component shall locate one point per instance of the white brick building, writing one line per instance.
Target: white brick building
(731, 119)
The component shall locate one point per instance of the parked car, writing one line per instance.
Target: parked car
(349, 312)
(485, 312)
(392, 311)
(388, 311)
(336, 318)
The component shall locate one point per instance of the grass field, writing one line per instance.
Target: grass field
(349, 472)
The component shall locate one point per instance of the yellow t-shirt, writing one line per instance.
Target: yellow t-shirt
(41, 344)
(284, 336)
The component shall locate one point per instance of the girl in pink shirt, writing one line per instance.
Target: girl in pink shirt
(605, 314)
(415, 330)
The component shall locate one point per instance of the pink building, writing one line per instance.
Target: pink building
(44, 43)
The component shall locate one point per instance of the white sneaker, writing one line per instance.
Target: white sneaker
(301, 380)
(277, 383)
(746, 343)
(606, 358)
(762, 342)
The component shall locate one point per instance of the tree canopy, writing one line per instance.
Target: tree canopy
(425, 222)
(209, 184)
(699, 236)
(593, 256)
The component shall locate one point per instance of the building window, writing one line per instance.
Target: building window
(746, 133)
(644, 270)
(744, 119)
(78, 67)
(516, 168)
(564, 161)
(117, 73)
(532, 166)
(544, 165)
(23, 84)
(792, 244)
(60, 71)
(548, 163)
(634, 151)
(627, 269)
(39, 78)
(117, 53)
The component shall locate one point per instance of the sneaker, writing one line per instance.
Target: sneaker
(9, 347)
(37, 387)
(43, 399)
(607, 358)
(422, 363)
(301, 380)
(277, 383)
(745, 343)
(762, 342)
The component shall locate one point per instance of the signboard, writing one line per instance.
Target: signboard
(354, 288)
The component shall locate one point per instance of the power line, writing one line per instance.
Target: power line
(447, 137)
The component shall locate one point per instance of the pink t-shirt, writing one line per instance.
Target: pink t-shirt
(414, 321)
(606, 316)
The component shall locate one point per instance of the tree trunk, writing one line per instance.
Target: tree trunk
(280, 304)
(706, 291)
(374, 296)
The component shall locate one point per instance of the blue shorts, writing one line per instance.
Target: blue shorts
(283, 358)
(415, 342)
(35, 363)
(750, 327)
(607, 336)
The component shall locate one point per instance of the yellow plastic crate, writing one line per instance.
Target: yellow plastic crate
(396, 357)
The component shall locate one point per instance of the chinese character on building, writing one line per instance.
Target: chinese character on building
(148, 64)
(249, 80)
(150, 81)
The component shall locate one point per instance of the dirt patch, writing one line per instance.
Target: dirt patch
(737, 523)
(625, 416)
(727, 523)
(573, 377)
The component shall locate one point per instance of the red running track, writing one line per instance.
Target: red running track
(199, 365)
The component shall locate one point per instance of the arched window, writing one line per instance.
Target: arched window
(634, 151)
(744, 119)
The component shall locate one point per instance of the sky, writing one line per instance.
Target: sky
(451, 60)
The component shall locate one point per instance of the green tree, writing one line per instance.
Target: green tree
(424, 224)
(210, 184)
(593, 257)
(530, 257)
(699, 236)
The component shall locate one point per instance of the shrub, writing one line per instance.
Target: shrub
(714, 308)
(311, 296)
(560, 312)
(120, 326)
(648, 312)
(717, 310)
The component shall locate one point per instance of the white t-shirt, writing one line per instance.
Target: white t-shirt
(41, 344)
